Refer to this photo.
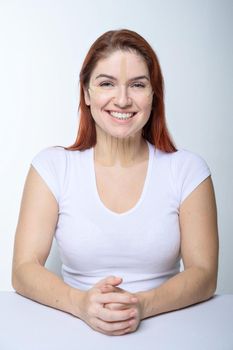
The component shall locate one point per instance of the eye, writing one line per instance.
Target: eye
(106, 84)
(138, 85)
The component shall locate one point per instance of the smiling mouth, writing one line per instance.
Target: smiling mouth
(121, 115)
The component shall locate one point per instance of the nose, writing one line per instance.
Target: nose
(122, 98)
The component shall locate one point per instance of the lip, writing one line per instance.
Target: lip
(121, 121)
(110, 110)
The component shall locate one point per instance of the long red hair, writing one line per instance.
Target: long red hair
(155, 130)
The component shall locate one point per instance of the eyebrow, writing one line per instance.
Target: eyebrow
(113, 78)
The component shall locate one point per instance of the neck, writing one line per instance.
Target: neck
(123, 152)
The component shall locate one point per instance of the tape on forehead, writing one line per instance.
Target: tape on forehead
(123, 75)
(123, 68)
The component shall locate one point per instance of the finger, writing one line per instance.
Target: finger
(117, 306)
(107, 288)
(110, 288)
(124, 298)
(111, 333)
(111, 280)
(118, 332)
(122, 332)
(113, 326)
(115, 315)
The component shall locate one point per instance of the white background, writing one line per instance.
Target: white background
(43, 44)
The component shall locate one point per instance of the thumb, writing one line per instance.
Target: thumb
(107, 288)
(112, 280)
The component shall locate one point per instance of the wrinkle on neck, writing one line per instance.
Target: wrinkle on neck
(122, 152)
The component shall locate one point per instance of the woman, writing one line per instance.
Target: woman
(124, 204)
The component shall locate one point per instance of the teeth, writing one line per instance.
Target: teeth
(121, 115)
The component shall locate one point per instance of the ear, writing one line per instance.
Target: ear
(87, 97)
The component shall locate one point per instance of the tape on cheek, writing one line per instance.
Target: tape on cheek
(145, 93)
(94, 89)
(150, 94)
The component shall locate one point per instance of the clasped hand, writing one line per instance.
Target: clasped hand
(109, 309)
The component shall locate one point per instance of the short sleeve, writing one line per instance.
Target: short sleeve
(189, 170)
(50, 164)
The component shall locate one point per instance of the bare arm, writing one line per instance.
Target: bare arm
(199, 250)
(34, 234)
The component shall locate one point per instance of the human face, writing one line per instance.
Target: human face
(120, 83)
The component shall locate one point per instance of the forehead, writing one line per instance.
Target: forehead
(121, 64)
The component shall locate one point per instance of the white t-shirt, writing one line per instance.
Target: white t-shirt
(141, 245)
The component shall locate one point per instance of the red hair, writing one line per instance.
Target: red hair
(155, 130)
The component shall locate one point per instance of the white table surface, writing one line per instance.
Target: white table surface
(27, 325)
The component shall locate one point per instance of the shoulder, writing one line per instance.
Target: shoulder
(52, 152)
(180, 158)
(55, 155)
(184, 154)
(51, 164)
(185, 161)
(187, 170)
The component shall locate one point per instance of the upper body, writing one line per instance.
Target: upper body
(157, 204)
(133, 232)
